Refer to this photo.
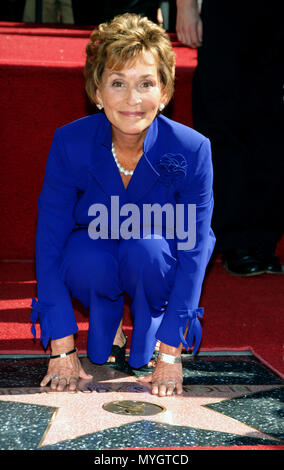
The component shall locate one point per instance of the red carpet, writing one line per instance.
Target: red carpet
(42, 88)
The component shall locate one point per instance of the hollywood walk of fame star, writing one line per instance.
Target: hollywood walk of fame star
(78, 414)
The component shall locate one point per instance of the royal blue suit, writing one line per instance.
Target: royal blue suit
(164, 282)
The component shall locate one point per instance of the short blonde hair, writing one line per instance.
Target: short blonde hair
(122, 40)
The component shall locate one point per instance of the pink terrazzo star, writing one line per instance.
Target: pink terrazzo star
(82, 413)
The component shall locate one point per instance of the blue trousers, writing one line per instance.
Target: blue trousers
(98, 272)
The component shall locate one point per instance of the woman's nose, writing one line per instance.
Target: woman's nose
(133, 97)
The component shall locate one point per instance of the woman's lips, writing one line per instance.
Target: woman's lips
(131, 113)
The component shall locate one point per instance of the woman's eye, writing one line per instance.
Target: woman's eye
(117, 84)
(147, 84)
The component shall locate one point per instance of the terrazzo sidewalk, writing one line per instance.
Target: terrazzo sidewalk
(227, 402)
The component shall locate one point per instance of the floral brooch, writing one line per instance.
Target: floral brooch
(172, 168)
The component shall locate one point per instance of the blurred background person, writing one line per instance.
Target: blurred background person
(237, 103)
(48, 11)
(147, 8)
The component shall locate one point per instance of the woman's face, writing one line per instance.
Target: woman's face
(131, 97)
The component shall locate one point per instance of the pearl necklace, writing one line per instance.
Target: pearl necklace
(119, 166)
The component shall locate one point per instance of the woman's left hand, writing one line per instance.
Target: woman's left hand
(166, 379)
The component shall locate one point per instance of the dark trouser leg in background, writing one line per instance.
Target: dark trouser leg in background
(237, 101)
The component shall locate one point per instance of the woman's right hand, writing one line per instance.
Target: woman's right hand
(64, 372)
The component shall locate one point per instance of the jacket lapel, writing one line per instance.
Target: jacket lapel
(145, 175)
(107, 175)
(104, 169)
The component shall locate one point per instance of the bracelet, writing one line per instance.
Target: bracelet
(63, 354)
(169, 358)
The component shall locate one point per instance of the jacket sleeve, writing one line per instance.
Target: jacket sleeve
(182, 307)
(55, 222)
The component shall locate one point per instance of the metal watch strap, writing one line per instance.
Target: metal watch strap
(63, 354)
(169, 358)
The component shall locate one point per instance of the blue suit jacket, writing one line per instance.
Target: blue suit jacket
(176, 167)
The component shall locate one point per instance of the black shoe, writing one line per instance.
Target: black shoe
(118, 352)
(271, 263)
(242, 263)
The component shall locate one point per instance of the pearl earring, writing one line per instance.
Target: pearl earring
(161, 107)
(99, 106)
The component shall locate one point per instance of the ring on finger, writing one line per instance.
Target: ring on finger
(170, 382)
(54, 376)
